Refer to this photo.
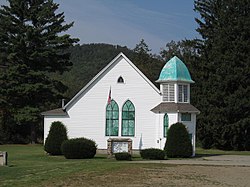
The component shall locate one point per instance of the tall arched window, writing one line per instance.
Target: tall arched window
(165, 125)
(112, 119)
(128, 119)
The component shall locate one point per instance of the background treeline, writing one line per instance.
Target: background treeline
(218, 61)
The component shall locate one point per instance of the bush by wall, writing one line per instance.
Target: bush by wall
(79, 148)
(152, 153)
(123, 156)
(57, 134)
(178, 143)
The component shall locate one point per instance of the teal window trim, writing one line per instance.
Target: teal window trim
(165, 125)
(128, 119)
(112, 119)
(186, 117)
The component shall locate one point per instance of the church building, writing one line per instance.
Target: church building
(120, 102)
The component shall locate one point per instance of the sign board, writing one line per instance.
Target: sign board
(3, 158)
(118, 147)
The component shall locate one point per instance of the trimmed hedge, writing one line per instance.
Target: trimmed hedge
(153, 154)
(178, 143)
(57, 134)
(79, 148)
(123, 156)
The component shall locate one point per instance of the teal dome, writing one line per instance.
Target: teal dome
(175, 70)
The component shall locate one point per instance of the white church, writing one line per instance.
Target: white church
(120, 102)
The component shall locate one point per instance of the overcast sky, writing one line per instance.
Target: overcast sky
(126, 22)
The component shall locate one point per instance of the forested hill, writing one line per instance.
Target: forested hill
(89, 59)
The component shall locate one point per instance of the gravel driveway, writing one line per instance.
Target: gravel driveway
(215, 160)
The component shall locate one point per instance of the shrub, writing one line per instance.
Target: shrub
(178, 143)
(57, 134)
(78, 148)
(152, 153)
(123, 156)
(247, 144)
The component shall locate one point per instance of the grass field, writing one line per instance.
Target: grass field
(200, 151)
(28, 165)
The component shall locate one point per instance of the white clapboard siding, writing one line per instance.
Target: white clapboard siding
(87, 111)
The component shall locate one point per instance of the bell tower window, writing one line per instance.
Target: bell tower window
(183, 93)
(168, 92)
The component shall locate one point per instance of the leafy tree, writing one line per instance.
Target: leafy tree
(224, 85)
(32, 44)
(178, 143)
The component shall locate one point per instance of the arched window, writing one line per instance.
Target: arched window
(112, 119)
(120, 80)
(165, 125)
(128, 119)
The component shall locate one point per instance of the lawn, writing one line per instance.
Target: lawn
(203, 152)
(28, 165)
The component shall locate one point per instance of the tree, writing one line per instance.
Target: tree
(57, 135)
(32, 44)
(146, 62)
(178, 143)
(142, 48)
(225, 84)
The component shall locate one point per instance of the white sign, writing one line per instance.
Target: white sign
(118, 147)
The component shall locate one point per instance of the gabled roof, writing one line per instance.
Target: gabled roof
(165, 107)
(105, 70)
(175, 70)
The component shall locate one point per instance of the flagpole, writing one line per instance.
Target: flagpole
(109, 103)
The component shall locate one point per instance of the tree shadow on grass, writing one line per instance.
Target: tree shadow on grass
(205, 155)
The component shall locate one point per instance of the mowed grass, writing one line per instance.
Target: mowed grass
(29, 165)
(203, 152)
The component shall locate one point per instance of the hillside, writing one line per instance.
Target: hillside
(89, 59)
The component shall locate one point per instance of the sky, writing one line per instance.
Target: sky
(126, 22)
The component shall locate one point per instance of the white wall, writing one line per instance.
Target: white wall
(87, 114)
(173, 118)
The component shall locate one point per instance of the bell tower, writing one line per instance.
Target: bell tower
(175, 107)
(175, 82)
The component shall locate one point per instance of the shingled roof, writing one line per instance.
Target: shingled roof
(55, 112)
(165, 107)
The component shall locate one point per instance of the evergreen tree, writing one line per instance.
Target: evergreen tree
(224, 83)
(57, 135)
(142, 48)
(150, 65)
(178, 143)
(31, 45)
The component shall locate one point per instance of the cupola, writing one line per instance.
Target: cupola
(175, 81)
(175, 70)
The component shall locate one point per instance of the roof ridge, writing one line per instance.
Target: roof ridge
(121, 54)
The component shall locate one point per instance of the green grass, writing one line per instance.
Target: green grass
(203, 152)
(28, 165)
